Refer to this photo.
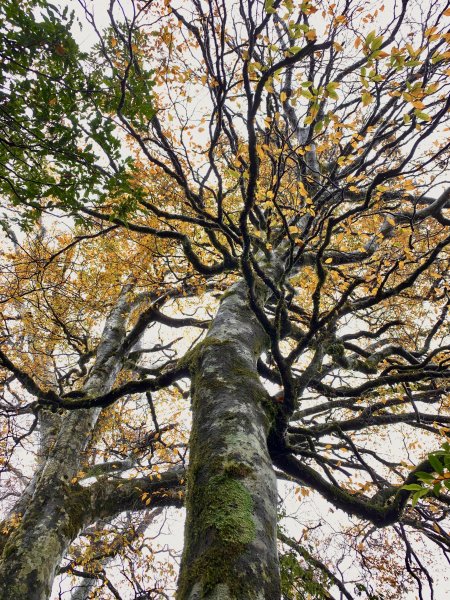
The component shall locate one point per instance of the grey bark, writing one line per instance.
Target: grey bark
(230, 547)
(51, 511)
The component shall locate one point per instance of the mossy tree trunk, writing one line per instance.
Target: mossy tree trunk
(230, 538)
(35, 548)
(51, 514)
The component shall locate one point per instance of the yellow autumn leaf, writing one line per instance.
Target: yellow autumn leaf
(260, 152)
(367, 98)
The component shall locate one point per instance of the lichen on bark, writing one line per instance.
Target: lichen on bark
(230, 540)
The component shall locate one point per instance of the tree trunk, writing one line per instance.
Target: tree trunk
(230, 549)
(54, 511)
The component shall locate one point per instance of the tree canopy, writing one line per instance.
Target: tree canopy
(224, 264)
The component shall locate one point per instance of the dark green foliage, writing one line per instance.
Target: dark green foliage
(437, 480)
(59, 109)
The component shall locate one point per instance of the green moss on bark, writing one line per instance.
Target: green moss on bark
(192, 357)
(228, 509)
(75, 505)
(228, 293)
(238, 469)
(271, 410)
(224, 510)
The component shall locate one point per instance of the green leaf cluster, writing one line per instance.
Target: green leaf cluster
(59, 142)
(430, 483)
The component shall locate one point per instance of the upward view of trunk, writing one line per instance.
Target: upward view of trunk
(230, 547)
(50, 513)
(230, 542)
(295, 154)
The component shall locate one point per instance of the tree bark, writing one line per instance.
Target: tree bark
(230, 549)
(54, 511)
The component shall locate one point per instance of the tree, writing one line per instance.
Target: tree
(266, 180)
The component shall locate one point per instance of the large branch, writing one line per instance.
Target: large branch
(360, 506)
(110, 497)
(75, 400)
